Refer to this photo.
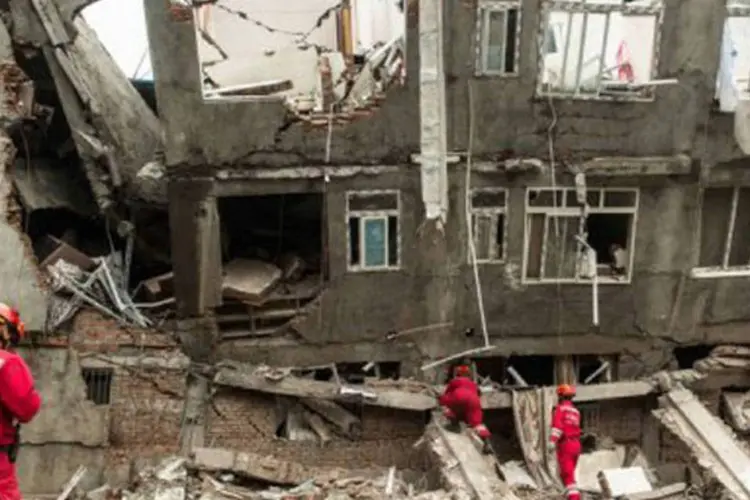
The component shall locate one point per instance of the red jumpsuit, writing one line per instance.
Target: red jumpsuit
(462, 402)
(566, 435)
(19, 402)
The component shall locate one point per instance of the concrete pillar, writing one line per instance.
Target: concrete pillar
(565, 370)
(196, 261)
(196, 246)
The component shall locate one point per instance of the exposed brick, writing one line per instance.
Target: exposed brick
(247, 420)
(92, 331)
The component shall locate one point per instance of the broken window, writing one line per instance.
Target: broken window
(373, 218)
(487, 207)
(556, 226)
(600, 48)
(498, 36)
(98, 384)
(725, 239)
(595, 369)
(734, 60)
(314, 55)
(536, 371)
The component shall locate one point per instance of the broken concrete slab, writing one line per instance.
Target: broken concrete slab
(45, 184)
(289, 385)
(590, 464)
(481, 479)
(623, 481)
(346, 422)
(250, 280)
(713, 446)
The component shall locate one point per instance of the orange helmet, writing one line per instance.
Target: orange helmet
(566, 390)
(10, 316)
(462, 370)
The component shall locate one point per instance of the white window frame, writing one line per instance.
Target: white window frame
(735, 9)
(725, 270)
(484, 9)
(593, 7)
(566, 211)
(366, 215)
(493, 213)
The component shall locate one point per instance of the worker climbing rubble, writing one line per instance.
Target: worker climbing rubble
(565, 438)
(19, 400)
(461, 402)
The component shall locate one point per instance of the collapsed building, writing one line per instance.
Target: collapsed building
(483, 177)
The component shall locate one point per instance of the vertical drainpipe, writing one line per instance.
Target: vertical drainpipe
(432, 112)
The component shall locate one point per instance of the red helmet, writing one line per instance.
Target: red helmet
(10, 316)
(566, 390)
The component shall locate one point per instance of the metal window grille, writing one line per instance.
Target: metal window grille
(98, 384)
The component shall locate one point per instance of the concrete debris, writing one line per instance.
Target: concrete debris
(712, 444)
(250, 280)
(477, 478)
(263, 379)
(623, 481)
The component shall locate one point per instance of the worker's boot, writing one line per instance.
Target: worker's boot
(453, 425)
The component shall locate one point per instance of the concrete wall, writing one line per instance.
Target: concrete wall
(435, 284)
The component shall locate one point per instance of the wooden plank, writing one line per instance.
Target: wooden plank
(304, 388)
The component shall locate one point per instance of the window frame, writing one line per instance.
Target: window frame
(725, 270)
(491, 212)
(571, 7)
(98, 381)
(565, 211)
(485, 8)
(374, 214)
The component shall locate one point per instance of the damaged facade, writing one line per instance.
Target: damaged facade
(385, 203)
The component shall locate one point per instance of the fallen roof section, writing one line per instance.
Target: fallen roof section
(710, 441)
(282, 383)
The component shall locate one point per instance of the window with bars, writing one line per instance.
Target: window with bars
(488, 224)
(599, 48)
(556, 217)
(725, 232)
(98, 384)
(498, 36)
(373, 219)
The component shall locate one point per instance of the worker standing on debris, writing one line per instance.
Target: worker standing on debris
(461, 402)
(566, 438)
(19, 400)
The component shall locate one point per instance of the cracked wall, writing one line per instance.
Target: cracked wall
(661, 306)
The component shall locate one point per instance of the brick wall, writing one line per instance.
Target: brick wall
(146, 411)
(247, 421)
(145, 405)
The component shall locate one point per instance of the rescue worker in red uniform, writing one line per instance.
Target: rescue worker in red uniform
(566, 439)
(461, 402)
(19, 400)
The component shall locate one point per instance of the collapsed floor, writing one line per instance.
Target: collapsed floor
(277, 433)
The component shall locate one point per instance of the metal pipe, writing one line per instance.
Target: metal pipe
(594, 280)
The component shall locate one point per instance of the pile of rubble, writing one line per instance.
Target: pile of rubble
(180, 479)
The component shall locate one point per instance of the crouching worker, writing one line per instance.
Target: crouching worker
(19, 400)
(461, 402)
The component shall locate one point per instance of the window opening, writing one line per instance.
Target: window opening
(98, 384)
(687, 356)
(725, 241)
(536, 371)
(373, 219)
(487, 207)
(498, 35)
(594, 369)
(555, 218)
(602, 49)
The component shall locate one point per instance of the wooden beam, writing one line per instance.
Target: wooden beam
(304, 388)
